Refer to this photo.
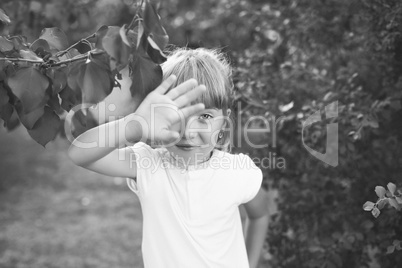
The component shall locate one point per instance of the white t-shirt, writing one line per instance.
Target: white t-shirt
(190, 215)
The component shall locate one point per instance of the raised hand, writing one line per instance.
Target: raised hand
(160, 111)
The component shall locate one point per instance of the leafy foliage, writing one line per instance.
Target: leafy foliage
(292, 59)
(42, 80)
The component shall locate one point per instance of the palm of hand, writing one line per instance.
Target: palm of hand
(160, 111)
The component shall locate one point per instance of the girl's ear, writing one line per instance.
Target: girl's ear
(228, 111)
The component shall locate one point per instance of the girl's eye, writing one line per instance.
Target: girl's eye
(205, 116)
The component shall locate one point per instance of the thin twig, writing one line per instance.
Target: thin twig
(20, 59)
(61, 53)
(82, 57)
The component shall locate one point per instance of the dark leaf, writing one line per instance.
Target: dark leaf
(81, 121)
(3, 96)
(146, 74)
(29, 86)
(19, 42)
(110, 41)
(10, 117)
(69, 98)
(40, 43)
(5, 45)
(55, 37)
(29, 119)
(153, 26)
(95, 79)
(83, 47)
(54, 104)
(4, 18)
(46, 128)
(154, 52)
(58, 78)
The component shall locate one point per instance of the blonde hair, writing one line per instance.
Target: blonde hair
(211, 68)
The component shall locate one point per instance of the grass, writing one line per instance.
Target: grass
(55, 214)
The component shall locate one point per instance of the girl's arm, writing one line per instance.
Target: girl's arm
(101, 149)
(258, 214)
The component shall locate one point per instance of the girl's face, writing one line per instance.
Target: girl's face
(200, 136)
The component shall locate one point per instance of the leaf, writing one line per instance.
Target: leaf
(376, 212)
(41, 48)
(95, 79)
(391, 187)
(46, 128)
(4, 18)
(390, 249)
(286, 107)
(81, 122)
(109, 40)
(5, 113)
(5, 45)
(20, 42)
(146, 74)
(69, 98)
(153, 26)
(58, 78)
(380, 191)
(40, 43)
(29, 119)
(55, 37)
(29, 86)
(54, 104)
(368, 206)
(123, 35)
(29, 55)
(399, 200)
(393, 203)
(154, 52)
(382, 203)
(3, 96)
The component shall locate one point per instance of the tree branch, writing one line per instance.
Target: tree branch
(84, 40)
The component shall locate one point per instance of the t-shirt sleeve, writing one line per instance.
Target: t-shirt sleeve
(249, 179)
(144, 157)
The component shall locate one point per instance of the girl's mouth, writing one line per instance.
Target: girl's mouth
(186, 147)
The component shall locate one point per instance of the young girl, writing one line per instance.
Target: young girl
(189, 185)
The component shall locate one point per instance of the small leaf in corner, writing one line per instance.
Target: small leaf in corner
(391, 187)
(380, 191)
(368, 206)
(376, 212)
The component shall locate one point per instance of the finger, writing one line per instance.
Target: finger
(193, 109)
(182, 88)
(190, 96)
(170, 137)
(165, 85)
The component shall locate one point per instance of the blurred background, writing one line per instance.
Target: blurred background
(291, 58)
